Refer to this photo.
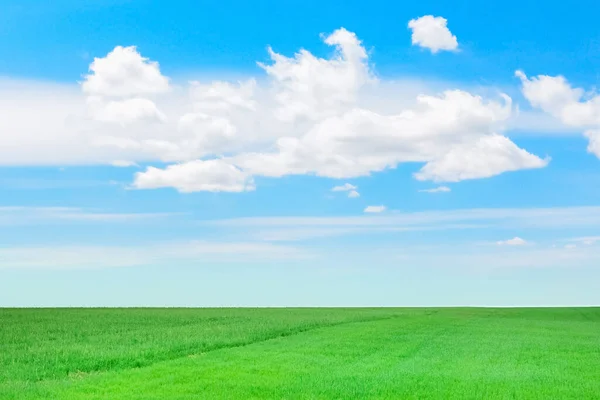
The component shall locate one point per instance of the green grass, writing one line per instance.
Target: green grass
(300, 353)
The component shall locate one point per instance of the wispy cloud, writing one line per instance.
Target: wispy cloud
(516, 241)
(494, 218)
(531, 217)
(586, 240)
(92, 257)
(44, 184)
(375, 209)
(501, 257)
(439, 189)
(276, 234)
(28, 215)
(343, 188)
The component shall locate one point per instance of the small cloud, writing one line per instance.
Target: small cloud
(432, 33)
(347, 187)
(344, 188)
(439, 189)
(516, 241)
(570, 246)
(123, 164)
(375, 209)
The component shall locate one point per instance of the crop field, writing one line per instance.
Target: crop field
(386, 353)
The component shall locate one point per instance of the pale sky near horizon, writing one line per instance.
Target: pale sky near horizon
(341, 153)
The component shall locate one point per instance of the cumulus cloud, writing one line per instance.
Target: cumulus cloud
(117, 84)
(124, 112)
(311, 88)
(516, 241)
(439, 189)
(221, 95)
(375, 209)
(485, 157)
(452, 132)
(432, 33)
(124, 73)
(328, 117)
(353, 194)
(210, 176)
(571, 106)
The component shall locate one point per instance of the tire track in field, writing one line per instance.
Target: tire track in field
(287, 334)
(82, 374)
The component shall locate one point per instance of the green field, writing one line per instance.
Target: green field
(383, 353)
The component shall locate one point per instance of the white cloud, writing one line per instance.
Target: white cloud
(328, 117)
(375, 209)
(123, 164)
(594, 141)
(432, 33)
(439, 189)
(452, 132)
(221, 95)
(487, 156)
(210, 176)
(347, 187)
(116, 85)
(516, 241)
(571, 106)
(312, 88)
(207, 134)
(124, 73)
(344, 188)
(126, 111)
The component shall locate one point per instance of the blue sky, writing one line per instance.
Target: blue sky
(299, 153)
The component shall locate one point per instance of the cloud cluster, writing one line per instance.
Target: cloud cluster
(328, 117)
(322, 128)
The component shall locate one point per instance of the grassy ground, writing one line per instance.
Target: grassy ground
(300, 353)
